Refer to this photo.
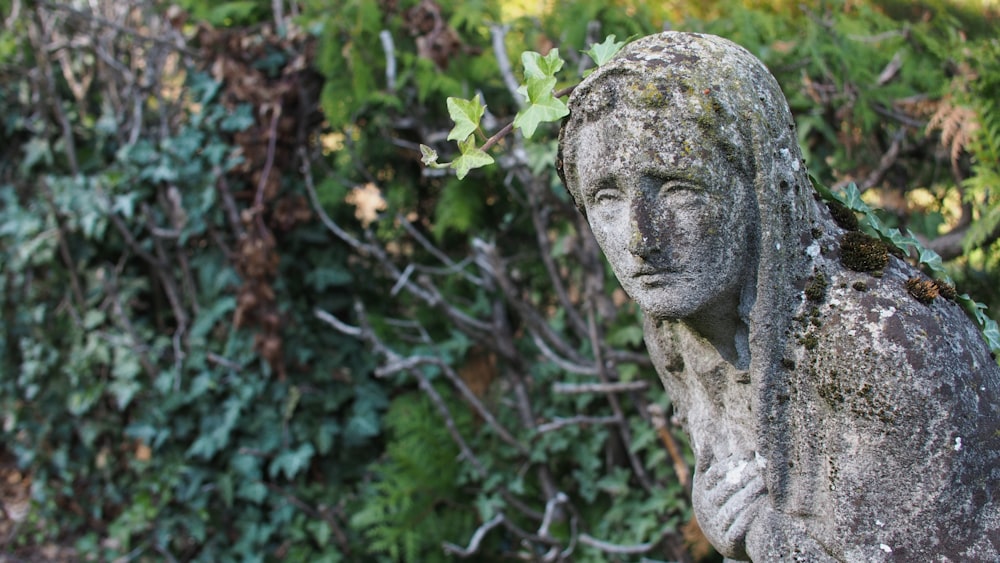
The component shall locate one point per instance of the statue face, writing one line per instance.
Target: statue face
(674, 217)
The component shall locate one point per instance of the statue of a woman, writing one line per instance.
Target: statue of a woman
(834, 416)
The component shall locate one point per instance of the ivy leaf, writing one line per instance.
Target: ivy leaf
(931, 259)
(992, 333)
(852, 199)
(604, 52)
(543, 106)
(472, 157)
(466, 115)
(430, 158)
(292, 462)
(537, 66)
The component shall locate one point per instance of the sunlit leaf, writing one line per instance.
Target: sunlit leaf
(466, 115)
(544, 107)
(537, 66)
(472, 157)
(604, 52)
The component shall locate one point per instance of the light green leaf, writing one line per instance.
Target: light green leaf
(604, 52)
(537, 66)
(472, 157)
(544, 107)
(466, 115)
(430, 156)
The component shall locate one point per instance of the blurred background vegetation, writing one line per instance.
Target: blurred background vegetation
(241, 322)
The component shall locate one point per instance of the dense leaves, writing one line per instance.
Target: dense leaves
(249, 316)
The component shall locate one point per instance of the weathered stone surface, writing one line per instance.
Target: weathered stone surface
(833, 415)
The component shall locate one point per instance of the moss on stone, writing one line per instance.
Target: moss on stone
(809, 341)
(946, 289)
(816, 290)
(842, 215)
(862, 253)
(923, 291)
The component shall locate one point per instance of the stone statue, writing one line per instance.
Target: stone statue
(837, 410)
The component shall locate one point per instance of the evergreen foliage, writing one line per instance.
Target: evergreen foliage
(245, 321)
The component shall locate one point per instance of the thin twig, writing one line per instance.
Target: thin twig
(449, 422)
(607, 547)
(887, 161)
(224, 362)
(410, 363)
(498, 33)
(338, 324)
(338, 531)
(550, 511)
(560, 423)
(562, 363)
(385, 36)
(539, 219)
(626, 435)
(65, 254)
(138, 346)
(681, 467)
(476, 539)
(609, 387)
(117, 27)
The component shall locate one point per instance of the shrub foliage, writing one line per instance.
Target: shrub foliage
(244, 321)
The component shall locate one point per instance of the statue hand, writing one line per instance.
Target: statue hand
(727, 498)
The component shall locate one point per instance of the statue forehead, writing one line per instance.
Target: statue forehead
(636, 138)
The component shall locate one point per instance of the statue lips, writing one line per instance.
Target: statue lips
(653, 277)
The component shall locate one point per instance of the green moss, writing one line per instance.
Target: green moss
(860, 286)
(843, 216)
(862, 253)
(946, 289)
(809, 341)
(816, 290)
(923, 291)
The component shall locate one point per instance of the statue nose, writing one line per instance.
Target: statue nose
(643, 241)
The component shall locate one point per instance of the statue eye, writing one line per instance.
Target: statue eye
(605, 195)
(678, 186)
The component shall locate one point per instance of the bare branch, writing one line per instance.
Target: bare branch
(449, 422)
(436, 252)
(609, 387)
(338, 324)
(390, 59)
(117, 27)
(550, 511)
(623, 431)
(885, 163)
(224, 362)
(559, 423)
(681, 467)
(564, 364)
(410, 363)
(477, 538)
(539, 219)
(606, 547)
(318, 514)
(498, 34)
(491, 261)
